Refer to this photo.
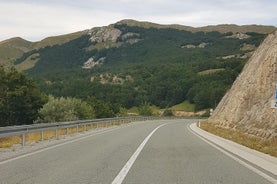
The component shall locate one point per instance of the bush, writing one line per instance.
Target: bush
(145, 110)
(168, 112)
(65, 109)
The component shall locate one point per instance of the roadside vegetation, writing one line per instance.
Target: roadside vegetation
(184, 106)
(21, 102)
(20, 98)
(259, 144)
(64, 109)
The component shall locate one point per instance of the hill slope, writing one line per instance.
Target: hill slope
(130, 63)
(222, 28)
(14, 48)
(247, 105)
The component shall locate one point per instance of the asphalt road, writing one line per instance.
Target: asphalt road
(172, 155)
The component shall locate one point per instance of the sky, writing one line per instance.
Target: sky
(37, 19)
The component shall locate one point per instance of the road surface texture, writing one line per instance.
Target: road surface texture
(156, 152)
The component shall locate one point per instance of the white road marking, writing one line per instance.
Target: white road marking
(58, 145)
(124, 171)
(257, 171)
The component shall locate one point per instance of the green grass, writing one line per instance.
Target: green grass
(13, 48)
(268, 146)
(211, 71)
(155, 110)
(133, 110)
(57, 40)
(28, 63)
(184, 106)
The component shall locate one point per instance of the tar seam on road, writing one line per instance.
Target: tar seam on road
(257, 171)
(57, 145)
(124, 171)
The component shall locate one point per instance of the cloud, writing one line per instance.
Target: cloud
(35, 22)
(37, 19)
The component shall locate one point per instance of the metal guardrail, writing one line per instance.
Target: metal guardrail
(23, 130)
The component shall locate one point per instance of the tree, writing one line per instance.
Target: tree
(20, 99)
(65, 109)
(103, 109)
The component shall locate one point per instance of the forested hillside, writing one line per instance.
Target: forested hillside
(127, 66)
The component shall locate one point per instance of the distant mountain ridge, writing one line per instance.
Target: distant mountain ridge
(130, 63)
(222, 28)
(13, 48)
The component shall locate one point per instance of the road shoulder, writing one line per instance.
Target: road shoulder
(264, 161)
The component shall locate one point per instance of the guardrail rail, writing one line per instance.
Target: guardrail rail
(23, 130)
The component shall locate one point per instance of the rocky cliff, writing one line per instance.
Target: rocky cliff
(247, 105)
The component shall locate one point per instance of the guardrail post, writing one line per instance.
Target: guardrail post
(77, 128)
(56, 133)
(23, 139)
(42, 135)
(66, 131)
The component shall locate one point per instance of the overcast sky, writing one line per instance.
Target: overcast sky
(36, 19)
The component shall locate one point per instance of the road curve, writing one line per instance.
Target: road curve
(172, 154)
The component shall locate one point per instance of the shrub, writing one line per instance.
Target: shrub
(64, 109)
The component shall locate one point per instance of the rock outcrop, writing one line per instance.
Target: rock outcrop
(190, 46)
(247, 105)
(104, 34)
(90, 63)
(110, 37)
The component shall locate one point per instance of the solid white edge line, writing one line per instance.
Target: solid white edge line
(124, 171)
(57, 145)
(257, 171)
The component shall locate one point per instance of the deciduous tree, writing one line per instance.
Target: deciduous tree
(20, 99)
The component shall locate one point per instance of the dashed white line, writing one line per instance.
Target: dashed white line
(124, 171)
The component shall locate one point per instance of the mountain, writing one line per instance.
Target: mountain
(130, 62)
(14, 48)
(247, 105)
(222, 28)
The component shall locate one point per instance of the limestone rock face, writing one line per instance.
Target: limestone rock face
(104, 34)
(247, 105)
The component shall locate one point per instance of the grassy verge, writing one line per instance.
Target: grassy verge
(211, 71)
(184, 106)
(7, 142)
(266, 146)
